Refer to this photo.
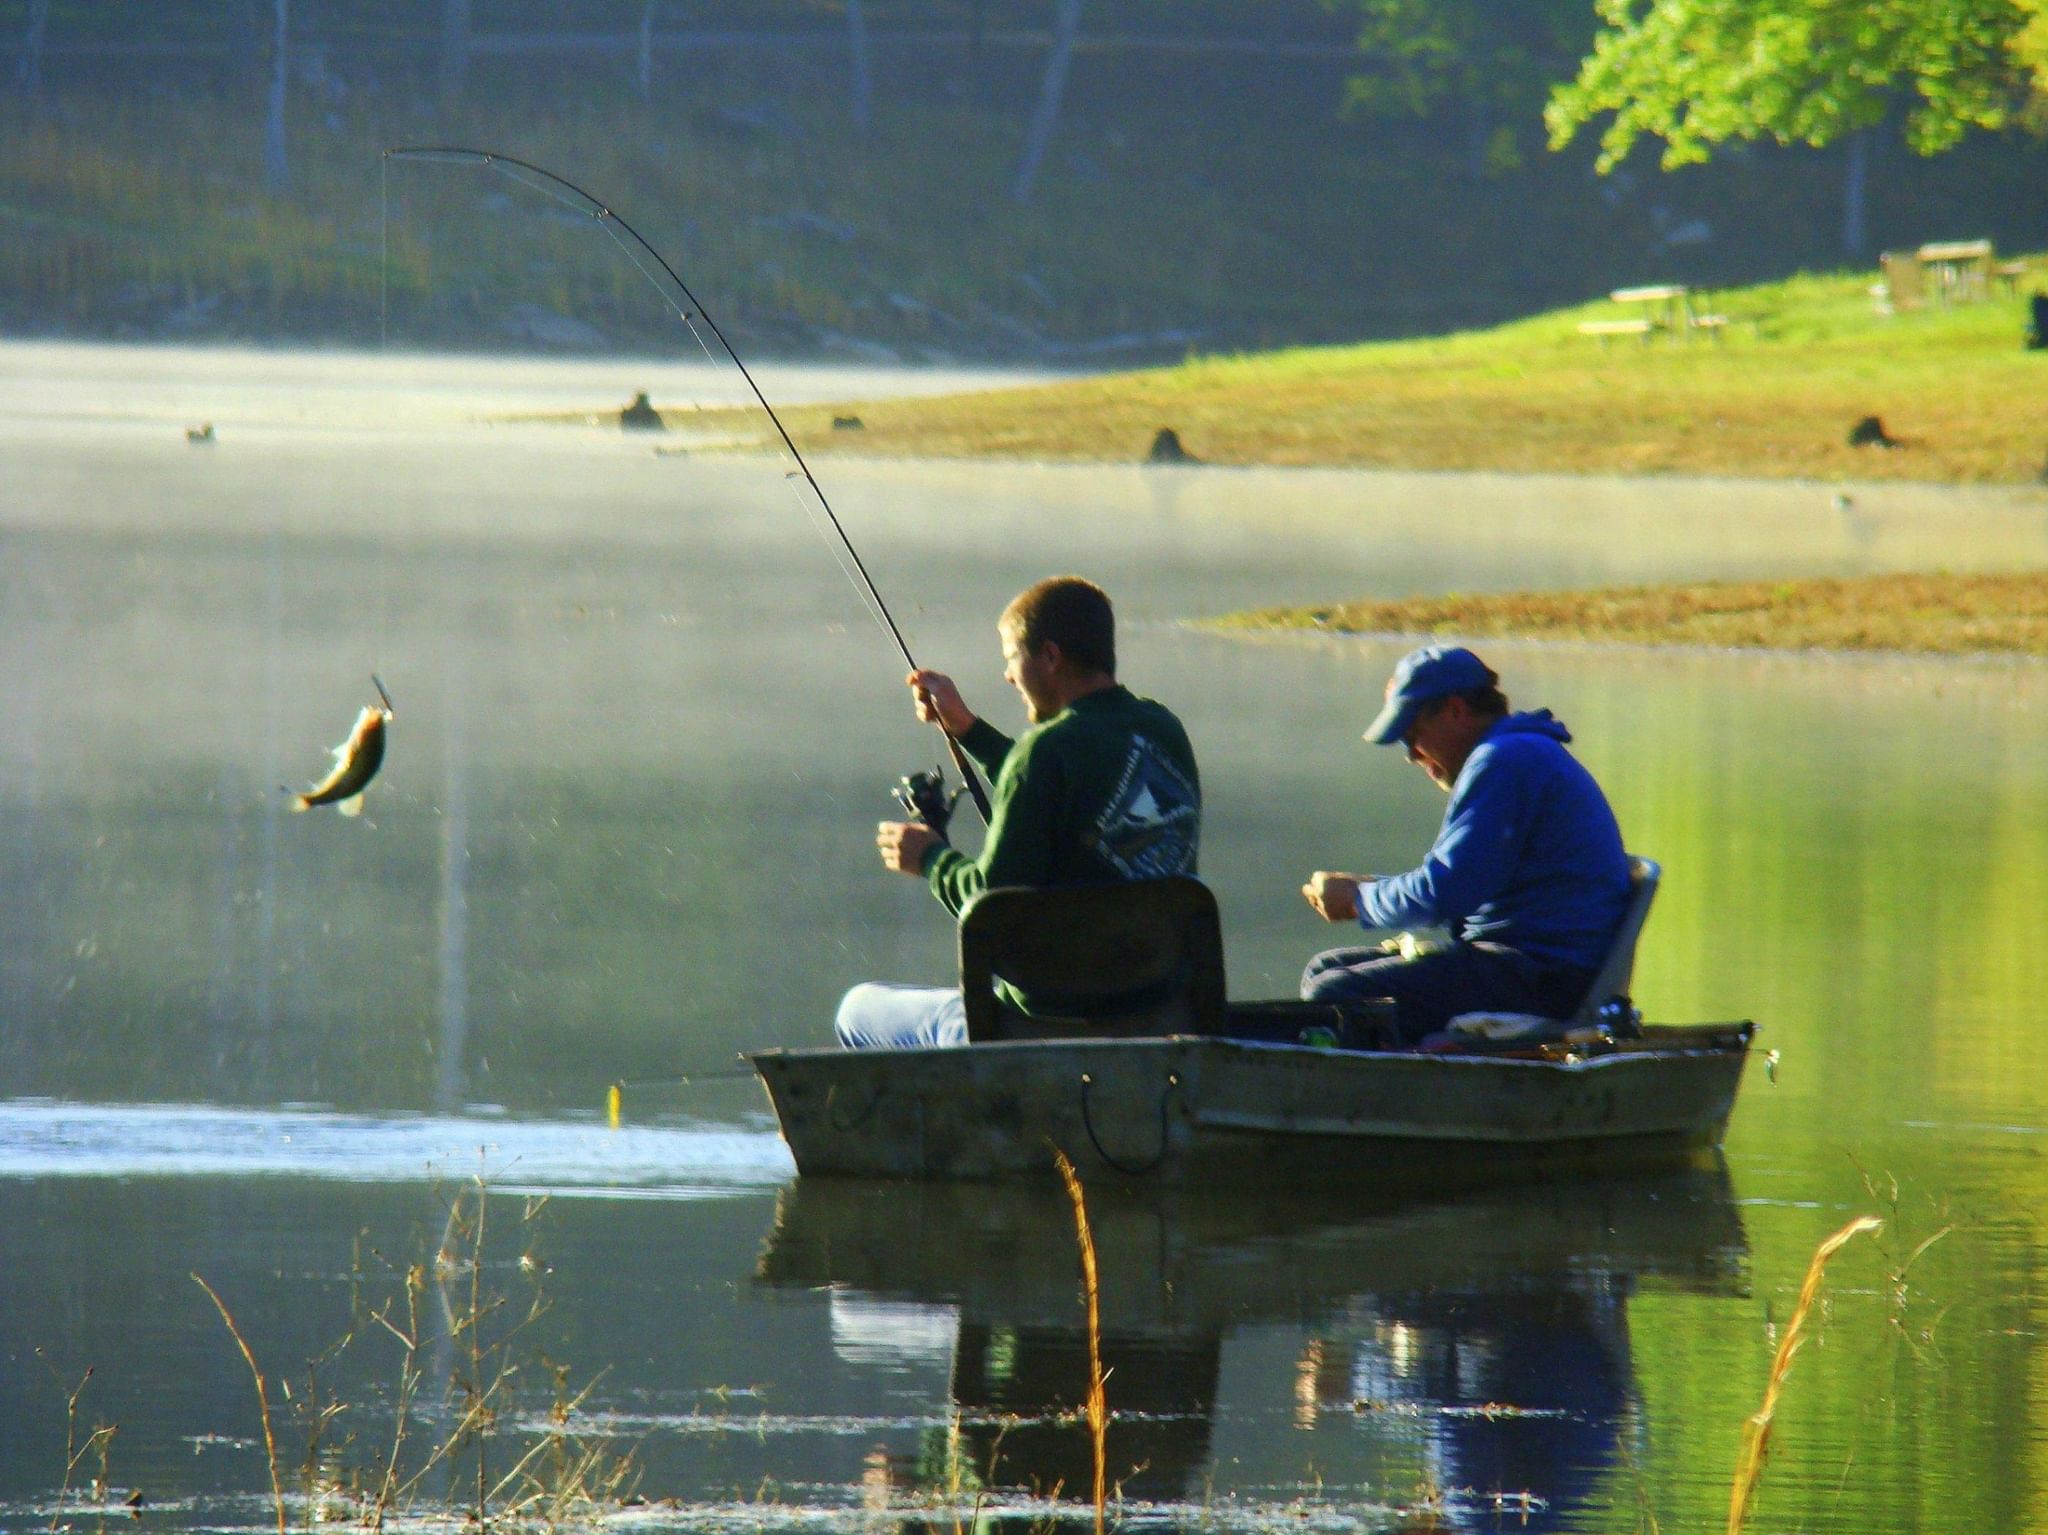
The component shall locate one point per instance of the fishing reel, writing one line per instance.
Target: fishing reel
(924, 796)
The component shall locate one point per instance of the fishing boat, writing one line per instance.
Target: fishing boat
(1153, 1076)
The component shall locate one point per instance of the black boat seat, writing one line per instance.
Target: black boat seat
(1610, 982)
(1140, 957)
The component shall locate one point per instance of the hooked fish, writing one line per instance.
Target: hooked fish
(356, 761)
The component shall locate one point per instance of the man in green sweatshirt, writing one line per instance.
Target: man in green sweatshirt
(1102, 787)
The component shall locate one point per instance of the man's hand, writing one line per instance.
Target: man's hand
(939, 702)
(903, 845)
(1334, 896)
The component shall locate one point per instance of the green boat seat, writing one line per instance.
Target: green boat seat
(1142, 957)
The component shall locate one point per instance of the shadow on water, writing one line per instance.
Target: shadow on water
(1478, 1350)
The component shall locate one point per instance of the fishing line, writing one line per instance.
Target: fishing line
(689, 312)
(794, 481)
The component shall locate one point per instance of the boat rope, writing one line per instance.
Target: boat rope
(1088, 1123)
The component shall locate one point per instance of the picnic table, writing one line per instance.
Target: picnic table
(1671, 308)
(1958, 270)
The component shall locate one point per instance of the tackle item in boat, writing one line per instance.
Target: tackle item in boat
(924, 798)
(356, 761)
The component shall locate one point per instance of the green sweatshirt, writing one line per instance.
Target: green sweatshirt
(1104, 790)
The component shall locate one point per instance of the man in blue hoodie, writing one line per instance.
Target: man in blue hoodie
(1527, 872)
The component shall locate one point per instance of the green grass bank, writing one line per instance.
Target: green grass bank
(1798, 363)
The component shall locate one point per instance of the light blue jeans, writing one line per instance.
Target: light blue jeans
(878, 1016)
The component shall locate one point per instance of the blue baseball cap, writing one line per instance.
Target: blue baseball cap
(1423, 676)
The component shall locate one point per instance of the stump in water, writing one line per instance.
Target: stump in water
(848, 424)
(640, 416)
(1870, 433)
(1166, 449)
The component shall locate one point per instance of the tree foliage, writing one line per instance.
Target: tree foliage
(1697, 73)
(1501, 54)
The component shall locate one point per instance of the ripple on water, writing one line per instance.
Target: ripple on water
(46, 1139)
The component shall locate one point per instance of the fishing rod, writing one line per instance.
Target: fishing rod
(613, 225)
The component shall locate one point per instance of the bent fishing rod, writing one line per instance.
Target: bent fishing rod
(688, 311)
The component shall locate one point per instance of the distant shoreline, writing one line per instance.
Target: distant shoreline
(1905, 614)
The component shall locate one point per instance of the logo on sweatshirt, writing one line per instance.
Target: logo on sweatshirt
(1149, 827)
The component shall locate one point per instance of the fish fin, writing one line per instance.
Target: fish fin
(352, 806)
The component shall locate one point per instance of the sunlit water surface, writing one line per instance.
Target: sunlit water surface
(624, 832)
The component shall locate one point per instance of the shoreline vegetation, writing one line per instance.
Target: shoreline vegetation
(1773, 392)
(1914, 614)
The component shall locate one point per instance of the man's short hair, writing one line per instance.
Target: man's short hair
(1488, 701)
(1068, 612)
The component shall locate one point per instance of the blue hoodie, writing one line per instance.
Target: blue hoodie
(1529, 854)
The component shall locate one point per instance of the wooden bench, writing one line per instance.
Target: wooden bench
(1605, 328)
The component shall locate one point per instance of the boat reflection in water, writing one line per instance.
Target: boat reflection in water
(1477, 1350)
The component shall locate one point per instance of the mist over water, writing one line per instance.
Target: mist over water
(643, 730)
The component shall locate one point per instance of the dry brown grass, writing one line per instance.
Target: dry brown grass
(1926, 614)
(1756, 1430)
(262, 1397)
(1098, 1404)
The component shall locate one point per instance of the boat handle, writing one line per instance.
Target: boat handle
(1088, 1123)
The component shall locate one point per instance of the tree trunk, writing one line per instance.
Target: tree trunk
(1478, 135)
(1855, 185)
(1066, 26)
(454, 50)
(646, 79)
(276, 171)
(863, 81)
(29, 73)
(977, 38)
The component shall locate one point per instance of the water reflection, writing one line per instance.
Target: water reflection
(1479, 1350)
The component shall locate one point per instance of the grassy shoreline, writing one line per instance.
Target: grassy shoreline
(1910, 614)
(1773, 396)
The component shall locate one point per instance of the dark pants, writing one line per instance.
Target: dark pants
(1432, 989)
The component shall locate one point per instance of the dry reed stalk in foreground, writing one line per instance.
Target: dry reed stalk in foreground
(1098, 1405)
(74, 1452)
(1756, 1431)
(262, 1396)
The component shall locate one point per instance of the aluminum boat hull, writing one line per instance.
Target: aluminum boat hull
(1186, 1109)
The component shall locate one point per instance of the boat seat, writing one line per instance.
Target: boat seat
(1611, 981)
(1139, 957)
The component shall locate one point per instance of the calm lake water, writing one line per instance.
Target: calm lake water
(644, 729)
